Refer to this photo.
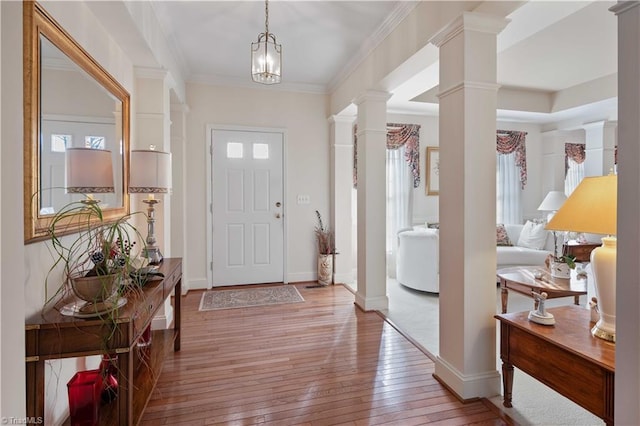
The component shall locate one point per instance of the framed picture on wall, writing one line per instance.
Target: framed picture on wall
(433, 170)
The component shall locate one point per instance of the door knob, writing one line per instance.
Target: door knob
(277, 215)
(278, 204)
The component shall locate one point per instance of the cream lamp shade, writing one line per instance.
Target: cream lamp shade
(553, 201)
(150, 172)
(592, 207)
(88, 171)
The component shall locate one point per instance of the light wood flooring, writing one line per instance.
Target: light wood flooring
(319, 362)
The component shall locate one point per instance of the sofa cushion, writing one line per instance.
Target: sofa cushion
(514, 255)
(533, 236)
(502, 237)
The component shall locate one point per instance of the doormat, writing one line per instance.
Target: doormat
(243, 298)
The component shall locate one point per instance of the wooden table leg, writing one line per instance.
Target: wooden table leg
(505, 296)
(507, 383)
(576, 300)
(177, 315)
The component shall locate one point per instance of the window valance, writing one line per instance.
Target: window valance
(398, 135)
(509, 141)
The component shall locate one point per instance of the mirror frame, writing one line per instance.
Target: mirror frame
(37, 22)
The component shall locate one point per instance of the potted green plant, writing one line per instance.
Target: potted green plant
(560, 266)
(97, 261)
(326, 251)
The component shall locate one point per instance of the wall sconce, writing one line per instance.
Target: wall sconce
(88, 171)
(150, 174)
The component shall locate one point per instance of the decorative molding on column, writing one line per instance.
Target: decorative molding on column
(469, 21)
(349, 119)
(372, 95)
(379, 303)
(470, 386)
(623, 6)
(154, 73)
(468, 85)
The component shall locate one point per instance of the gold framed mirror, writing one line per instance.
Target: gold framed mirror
(70, 101)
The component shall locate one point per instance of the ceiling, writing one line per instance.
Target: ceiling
(554, 50)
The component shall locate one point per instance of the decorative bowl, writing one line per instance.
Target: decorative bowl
(96, 288)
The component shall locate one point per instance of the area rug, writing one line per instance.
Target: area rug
(242, 298)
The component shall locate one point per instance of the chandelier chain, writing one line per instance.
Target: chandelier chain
(266, 17)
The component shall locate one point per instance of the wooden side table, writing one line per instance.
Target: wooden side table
(565, 357)
(55, 336)
(582, 252)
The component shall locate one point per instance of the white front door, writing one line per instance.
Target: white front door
(248, 225)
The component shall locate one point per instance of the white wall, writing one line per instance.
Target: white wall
(304, 118)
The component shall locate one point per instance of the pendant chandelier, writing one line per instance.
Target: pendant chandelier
(266, 55)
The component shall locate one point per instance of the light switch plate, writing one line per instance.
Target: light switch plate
(304, 199)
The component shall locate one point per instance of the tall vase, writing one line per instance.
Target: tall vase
(325, 269)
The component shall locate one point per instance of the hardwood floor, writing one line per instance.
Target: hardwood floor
(320, 362)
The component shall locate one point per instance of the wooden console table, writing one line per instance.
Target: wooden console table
(565, 357)
(55, 336)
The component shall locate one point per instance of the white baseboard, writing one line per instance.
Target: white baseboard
(164, 320)
(301, 277)
(200, 284)
(483, 385)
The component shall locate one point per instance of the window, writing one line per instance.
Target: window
(260, 151)
(234, 150)
(94, 142)
(508, 189)
(59, 143)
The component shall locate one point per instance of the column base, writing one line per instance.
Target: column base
(466, 387)
(379, 303)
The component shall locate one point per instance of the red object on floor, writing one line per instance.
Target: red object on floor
(109, 370)
(84, 391)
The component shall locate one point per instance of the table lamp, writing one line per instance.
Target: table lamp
(150, 173)
(88, 171)
(592, 207)
(551, 204)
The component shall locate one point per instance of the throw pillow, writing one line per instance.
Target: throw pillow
(502, 238)
(533, 236)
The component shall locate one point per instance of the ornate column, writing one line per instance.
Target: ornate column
(341, 134)
(372, 205)
(467, 133)
(627, 386)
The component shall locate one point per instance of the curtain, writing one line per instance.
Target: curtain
(399, 201)
(508, 189)
(573, 176)
(398, 135)
(510, 141)
(511, 175)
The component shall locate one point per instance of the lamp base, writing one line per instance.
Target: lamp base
(153, 254)
(602, 331)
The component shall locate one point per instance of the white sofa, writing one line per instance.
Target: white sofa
(515, 255)
(417, 257)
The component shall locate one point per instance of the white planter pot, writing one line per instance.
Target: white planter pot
(560, 270)
(325, 269)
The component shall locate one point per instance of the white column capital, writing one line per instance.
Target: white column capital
(372, 95)
(469, 21)
(349, 119)
(151, 73)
